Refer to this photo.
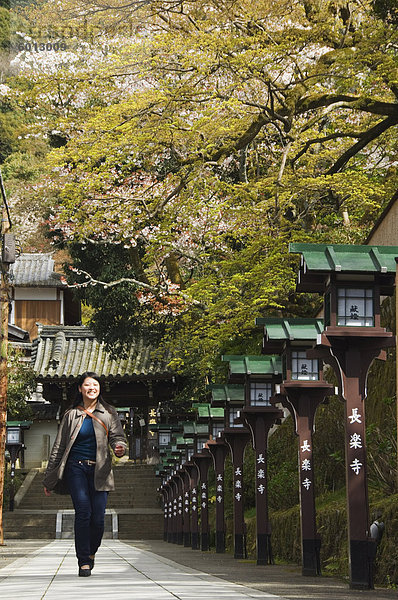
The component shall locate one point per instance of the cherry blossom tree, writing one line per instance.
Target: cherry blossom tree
(193, 140)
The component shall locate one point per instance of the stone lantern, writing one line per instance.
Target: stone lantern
(352, 279)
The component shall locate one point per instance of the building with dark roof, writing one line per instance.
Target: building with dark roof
(39, 294)
(45, 323)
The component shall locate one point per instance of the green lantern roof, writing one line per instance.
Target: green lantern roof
(203, 409)
(216, 412)
(253, 364)
(184, 442)
(323, 259)
(193, 428)
(189, 429)
(21, 424)
(233, 392)
(206, 411)
(291, 329)
(165, 427)
(278, 331)
(202, 428)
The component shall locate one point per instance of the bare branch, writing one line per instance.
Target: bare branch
(158, 291)
(91, 281)
(278, 182)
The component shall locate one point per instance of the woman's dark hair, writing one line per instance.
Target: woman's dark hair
(79, 396)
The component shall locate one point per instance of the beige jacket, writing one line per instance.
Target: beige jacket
(67, 433)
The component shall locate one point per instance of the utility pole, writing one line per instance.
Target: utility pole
(5, 57)
(8, 256)
(396, 366)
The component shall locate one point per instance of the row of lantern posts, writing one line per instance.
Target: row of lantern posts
(288, 374)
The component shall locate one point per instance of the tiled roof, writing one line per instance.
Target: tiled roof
(35, 270)
(17, 334)
(62, 352)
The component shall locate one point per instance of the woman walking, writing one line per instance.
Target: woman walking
(80, 461)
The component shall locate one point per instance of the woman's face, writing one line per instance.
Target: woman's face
(90, 389)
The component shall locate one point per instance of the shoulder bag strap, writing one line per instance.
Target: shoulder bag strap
(94, 417)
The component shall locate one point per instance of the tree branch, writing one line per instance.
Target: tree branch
(278, 182)
(366, 138)
(91, 281)
(376, 107)
(158, 291)
(173, 193)
(326, 138)
(302, 106)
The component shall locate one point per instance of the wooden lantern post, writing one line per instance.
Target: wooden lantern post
(193, 474)
(174, 487)
(186, 445)
(237, 437)
(352, 279)
(258, 375)
(165, 491)
(302, 391)
(203, 461)
(180, 506)
(219, 451)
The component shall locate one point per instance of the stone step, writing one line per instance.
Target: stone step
(130, 524)
(23, 525)
(129, 491)
(115, 500)
(133, 488)
(136, 501)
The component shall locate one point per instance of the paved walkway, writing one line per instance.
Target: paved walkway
(156, 570)
(121, 572)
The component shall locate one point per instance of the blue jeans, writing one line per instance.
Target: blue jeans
(89, 507)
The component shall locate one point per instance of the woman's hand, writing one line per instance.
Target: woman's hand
(47, 492)
(119, 450)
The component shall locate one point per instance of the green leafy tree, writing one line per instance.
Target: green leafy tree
(21, 383)
(203, 140)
